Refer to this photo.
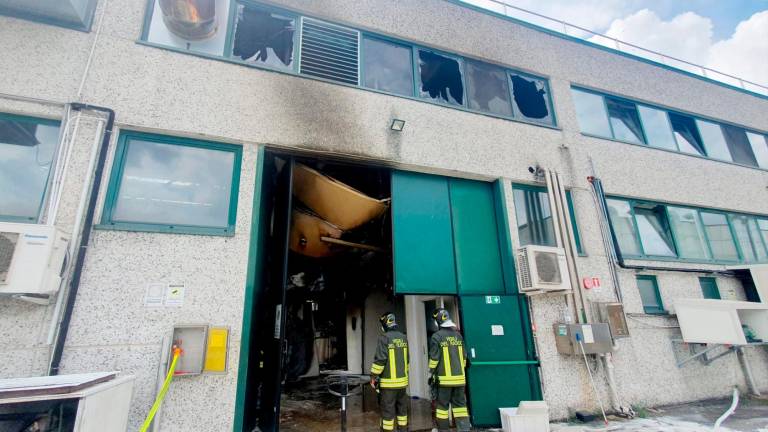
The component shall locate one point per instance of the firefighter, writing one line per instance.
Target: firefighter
(389, 375)
(447, 361)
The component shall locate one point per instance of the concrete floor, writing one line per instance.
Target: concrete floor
(751, 415)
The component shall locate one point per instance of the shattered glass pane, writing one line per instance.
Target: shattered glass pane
(441, 78)
(686, 134)
(624, 120)
(264, 38)
(714, 140)
(657, 129)
(387, 67)
(27, 149)
(488, 89)
(531, 98)
(590, 110)
(738, 144)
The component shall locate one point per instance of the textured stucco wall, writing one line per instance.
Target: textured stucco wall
(167, 92)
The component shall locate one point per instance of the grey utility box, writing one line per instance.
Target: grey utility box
(596, 338)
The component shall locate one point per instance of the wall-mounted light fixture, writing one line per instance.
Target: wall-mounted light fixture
(397, 125)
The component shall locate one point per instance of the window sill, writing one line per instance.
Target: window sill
(674, 152)
(167, 229)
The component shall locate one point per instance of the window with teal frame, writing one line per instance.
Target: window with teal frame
(616, 118)
(27, 152)
(650, 295)
(176, 185)
(534, 217)
(657, 231)
(255, 34)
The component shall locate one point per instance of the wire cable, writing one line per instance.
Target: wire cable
(163, 391)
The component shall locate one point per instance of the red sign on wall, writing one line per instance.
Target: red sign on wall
(591, 282)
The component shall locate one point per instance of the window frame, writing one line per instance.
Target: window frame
(51, 172)
(362, 56)
(294, 71)
(695, 117)
(643, 136)
(651, 310)
(509, 72)
(707, 279)
(116, 176)
(571, 211)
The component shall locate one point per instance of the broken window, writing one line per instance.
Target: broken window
(488, 89)
(178, 184)
(714, 140)
(590, 109)
(623, 223)
(441, 78)
(719, 235)
(625, 121)
(531, 97)
(686, 134)
(689, 233)
(658, 132)
(27, 149)
(387, 67)
(759, 148)
(263, 37)
(739, 146)
(190, 25)
(654, 230)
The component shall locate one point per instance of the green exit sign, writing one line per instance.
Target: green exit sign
(492, 299)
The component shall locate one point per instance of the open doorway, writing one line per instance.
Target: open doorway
(326, 277)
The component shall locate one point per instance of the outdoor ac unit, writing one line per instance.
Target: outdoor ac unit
(31, 258)
(542, 268)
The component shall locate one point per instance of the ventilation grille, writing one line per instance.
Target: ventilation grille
(329, 52)
(8, 243)
(525, 274)
(547, 268)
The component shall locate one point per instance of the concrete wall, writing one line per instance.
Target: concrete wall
(167, 92)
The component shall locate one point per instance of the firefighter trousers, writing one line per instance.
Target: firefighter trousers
(394, 409)
(455, 399)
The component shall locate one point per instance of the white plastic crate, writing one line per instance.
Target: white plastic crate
(511, 421)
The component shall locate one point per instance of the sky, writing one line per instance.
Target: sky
(726, 35)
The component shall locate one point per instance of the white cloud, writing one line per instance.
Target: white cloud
(745, 53)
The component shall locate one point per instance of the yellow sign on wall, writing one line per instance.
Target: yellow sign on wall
(216, 352)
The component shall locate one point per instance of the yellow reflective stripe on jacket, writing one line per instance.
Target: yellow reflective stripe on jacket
(432, 364)
(393, 383)
(446, 364)
(402, 420)
(388, 424)
(461, 356)
(377, 369)
(460, 412)
(405, 361)
(392, 364)
(441, 414)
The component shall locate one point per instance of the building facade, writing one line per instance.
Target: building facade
(683, 161)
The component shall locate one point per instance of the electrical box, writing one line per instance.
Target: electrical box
(613, 314)
(595, 337)
(192, 341)
(542, 269)
(31, 258)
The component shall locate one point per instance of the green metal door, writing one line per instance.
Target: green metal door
(503, 369)
(421, 234)
(476, 237)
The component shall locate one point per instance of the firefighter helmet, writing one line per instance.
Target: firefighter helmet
(387, 321)
(441, 316)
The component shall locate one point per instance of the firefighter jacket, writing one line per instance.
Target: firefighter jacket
(391, 360)
(447, 356)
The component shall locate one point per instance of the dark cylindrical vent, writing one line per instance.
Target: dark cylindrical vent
(190, 19)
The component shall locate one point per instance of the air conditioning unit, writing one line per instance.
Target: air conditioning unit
(542, 269)
(31, 259)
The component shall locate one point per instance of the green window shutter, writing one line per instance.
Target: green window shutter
(422, 234)
(709, 288)
(476, 237)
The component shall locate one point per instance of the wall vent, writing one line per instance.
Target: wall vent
(329, 51)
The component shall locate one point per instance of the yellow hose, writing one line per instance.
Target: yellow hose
(163, 391)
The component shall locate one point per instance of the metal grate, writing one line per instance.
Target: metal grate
(329, 51)
(8, 243)
(525, 274)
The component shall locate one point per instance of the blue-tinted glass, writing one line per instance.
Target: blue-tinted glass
(689, 233)
(27, 150)
(174, 185)
(534, 218)
(488, 89)
(719, 235)
(658, 131)
(624, 120)
(590, 110)
(654, 230)
(738, 145)
(714, 141)
(759, 148)
(649, 295)
(624, 227)
(387, 67)
(686, 134)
